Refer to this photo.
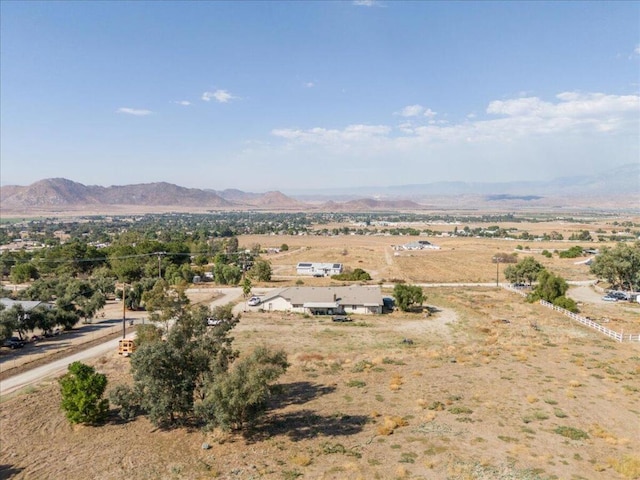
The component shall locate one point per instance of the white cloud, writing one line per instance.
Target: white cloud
(364, 3)
(221, 96)
(184, 103)
(525, 137)
(309, 84)
(351, 133)
(637, 50)
(416, 111)
(134, 111)
(429, 113)
(411, 111)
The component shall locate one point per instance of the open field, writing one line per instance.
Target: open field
(458, 260)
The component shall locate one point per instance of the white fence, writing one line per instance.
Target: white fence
(619, 336)
(585, 321)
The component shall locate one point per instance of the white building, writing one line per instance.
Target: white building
(325, 300)
(419, 245)
(319, 269)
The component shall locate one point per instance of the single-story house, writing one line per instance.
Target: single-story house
(419, 245)
(325, 300)
(27, 305)
(319, 269)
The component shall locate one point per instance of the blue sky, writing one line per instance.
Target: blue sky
(293, 95)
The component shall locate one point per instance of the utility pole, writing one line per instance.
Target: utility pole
(124, 312)
(160, 263)
(497, 259)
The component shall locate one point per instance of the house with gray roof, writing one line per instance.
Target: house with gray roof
(325, 300)
(27, 305)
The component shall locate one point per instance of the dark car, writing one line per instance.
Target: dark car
(340, 318)
(13, 342)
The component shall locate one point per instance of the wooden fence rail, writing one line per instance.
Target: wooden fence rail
(618, 336)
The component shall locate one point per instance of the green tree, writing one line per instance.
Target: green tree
(147, 333)
(407, 296)
(236, 398)
(525, 271)
(284, 247)
(165, 303)
(246, 287)
(8, 322)
(549, 287)
(619, 266)
(261, 271)
(82, 389)
(23, 272)
(169, 376)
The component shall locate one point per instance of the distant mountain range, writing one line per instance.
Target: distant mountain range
(616, 188)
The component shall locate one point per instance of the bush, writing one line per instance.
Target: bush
(357, 275)
(147, 333)
(82, 389)
(573, 252)
(572, 433)
(566, 303)
(128, 401)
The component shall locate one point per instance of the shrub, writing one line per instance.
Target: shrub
(566, 303)
(128, 401)
(572, 433)
(573, 252)
(82, 389)
(147, 333)
(356, 275)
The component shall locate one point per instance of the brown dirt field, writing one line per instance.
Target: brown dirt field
(478, 394)
(458, 260)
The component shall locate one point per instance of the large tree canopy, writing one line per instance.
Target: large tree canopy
(525, 271)
(407, 296)
(620, 266)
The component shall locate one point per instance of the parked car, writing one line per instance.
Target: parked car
(254, 301)
(618, 295)
(340, 318)
(609, 298)
(13, 342)
(213, 322)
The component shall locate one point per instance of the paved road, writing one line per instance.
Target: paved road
(58, 367)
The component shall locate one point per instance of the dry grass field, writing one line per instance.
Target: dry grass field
(471, 391)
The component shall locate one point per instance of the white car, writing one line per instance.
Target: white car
(253, 301)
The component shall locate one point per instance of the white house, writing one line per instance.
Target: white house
(419, 245)
(325, 300)
(319, 269)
